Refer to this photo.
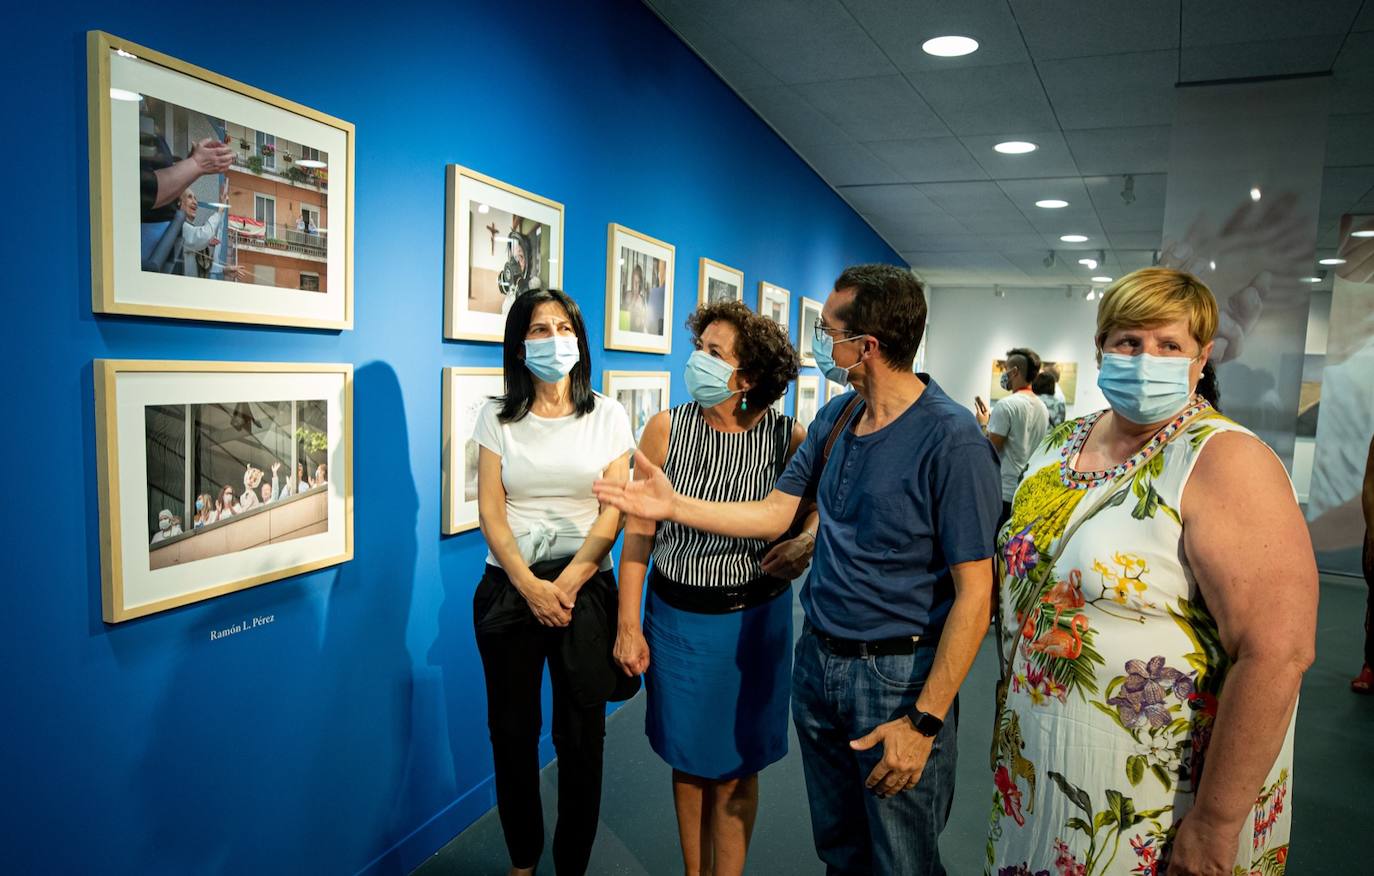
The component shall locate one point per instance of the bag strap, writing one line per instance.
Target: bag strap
(841, 422)
(1003, 657)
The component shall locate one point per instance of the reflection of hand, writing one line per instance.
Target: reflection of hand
(212, 156)
(788, 559)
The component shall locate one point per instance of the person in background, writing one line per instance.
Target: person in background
(1017, 423)
(224, 505)
(718, 621)
(900, 590)
(198, 242)
(547, 593)
(1044, 386)
(1364, 682)
(321, 476)
(167, 526)
(1158, 607)
(205, 511)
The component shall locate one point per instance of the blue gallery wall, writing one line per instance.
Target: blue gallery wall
(348, 734)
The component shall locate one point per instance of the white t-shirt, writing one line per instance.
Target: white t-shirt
(1020, 417)
(548, 467)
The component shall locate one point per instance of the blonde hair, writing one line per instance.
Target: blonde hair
(1151, 296)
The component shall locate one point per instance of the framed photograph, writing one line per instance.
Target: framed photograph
(1066, 379)
(774, 303)
(218, 476)
(806, 330)
(834, 390)
(641, 393)
(717, 282)
(639, 292)
(214, 200)
(808, 398)
(500, 241)
(465, 391)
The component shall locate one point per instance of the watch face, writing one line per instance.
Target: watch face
(925, 723)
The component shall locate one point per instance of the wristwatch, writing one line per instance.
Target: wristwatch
(925, 723)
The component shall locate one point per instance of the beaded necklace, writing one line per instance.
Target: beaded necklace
(1086, 480)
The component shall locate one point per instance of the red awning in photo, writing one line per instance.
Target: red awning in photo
(244, 225)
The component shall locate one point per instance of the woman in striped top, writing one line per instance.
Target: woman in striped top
(718, 619)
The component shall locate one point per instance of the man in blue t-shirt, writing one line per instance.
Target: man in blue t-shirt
(898, 598)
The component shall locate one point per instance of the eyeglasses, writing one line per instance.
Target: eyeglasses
(822, 331)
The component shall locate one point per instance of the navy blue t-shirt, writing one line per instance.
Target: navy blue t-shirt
(897, 509)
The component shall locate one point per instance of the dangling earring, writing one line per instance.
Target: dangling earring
(744, 403)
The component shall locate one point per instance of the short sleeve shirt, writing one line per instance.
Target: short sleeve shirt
(898, 508)
(1023, 420)
(548, 466)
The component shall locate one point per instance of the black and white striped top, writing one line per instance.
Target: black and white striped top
(715, 466)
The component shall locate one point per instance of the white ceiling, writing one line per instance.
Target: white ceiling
(906, 138)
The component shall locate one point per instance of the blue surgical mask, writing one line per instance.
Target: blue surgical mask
(1006, 380)
(200, 504)
(550, 359)
(708, 379)
(823, 349)
(1145, 389)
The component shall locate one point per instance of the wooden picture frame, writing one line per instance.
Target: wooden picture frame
(808, 398)
(718, 282)
(808, 315)
(466, 390)
(270, 181)
(526, 241)
(615, 385)
(292, 527)
(775, 303)
(642, 268)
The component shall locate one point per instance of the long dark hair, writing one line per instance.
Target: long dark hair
(1209, 387)
(519, 382)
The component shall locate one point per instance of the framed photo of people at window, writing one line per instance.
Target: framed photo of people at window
(500, 241)
(639, 292)
(806, 330)
(212, 199)
(808, 398)
(641, 393)
(218, 476)
(774, 303)
(466, 390)
(717, 282)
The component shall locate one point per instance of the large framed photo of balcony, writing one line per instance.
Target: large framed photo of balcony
(500, 241)
(212, 199)
(218, 476)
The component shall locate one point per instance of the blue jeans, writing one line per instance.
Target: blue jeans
(836, 699)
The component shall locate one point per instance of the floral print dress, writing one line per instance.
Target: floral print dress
(1116, 666)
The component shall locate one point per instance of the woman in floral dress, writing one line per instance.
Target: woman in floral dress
(1155, 660)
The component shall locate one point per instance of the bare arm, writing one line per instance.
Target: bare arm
(207, 156)
(631, 651)
(605, 530)
(551, 605)
(1248, 545)
(788, 559)
(998, 441)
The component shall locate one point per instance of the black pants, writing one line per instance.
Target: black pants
(1004, 516)
(514, 652)
(1367, 561)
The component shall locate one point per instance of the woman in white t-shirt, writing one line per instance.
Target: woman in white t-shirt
(548, 593)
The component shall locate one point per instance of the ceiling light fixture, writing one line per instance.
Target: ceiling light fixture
(1090, 264)
(1051, 204)
(1368, 232)
(950, 46)
(1331, 261)
(1311, 279)
(1128, 190)
(1048, 261)
(1255, 193)
(999, 292)
(1074, 238)
(1102, 279)
(1015, 147)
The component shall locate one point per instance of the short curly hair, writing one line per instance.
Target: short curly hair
(766, 357)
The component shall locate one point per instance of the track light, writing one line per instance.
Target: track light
(1128, 190)
(1048, 261)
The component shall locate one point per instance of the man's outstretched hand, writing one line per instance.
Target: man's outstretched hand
(649, 495)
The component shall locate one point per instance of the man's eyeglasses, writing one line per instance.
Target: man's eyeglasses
(822, 331)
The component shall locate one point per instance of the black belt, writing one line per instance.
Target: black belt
(716, 600)
(876, 648)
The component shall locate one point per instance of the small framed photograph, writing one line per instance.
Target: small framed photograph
(806, 330)
(500, 241)
(466, 390)
(214, 200)
(1065, 378)
(717, 282)
(641, 393)
(218, 476)
(774, 303)
(834, 390)
(808, 398)
(639, 292)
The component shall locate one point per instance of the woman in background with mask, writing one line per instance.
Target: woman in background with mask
(1158, 599)
(717, 633)
(547, 594)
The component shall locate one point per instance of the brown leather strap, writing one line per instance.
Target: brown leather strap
(841, 422)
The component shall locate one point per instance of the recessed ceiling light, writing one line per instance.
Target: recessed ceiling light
(125, 94)
(1311, 279)
(1102, 279)
(1331, 261)
(1015, 147)
(950, 46)
(1051, 203)
(1074, 238)
(1090, 264)
(1255, 193)
(1368, 232)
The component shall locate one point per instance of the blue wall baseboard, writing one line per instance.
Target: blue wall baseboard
(350, 734)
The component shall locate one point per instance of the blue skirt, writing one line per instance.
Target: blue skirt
(718, 686)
